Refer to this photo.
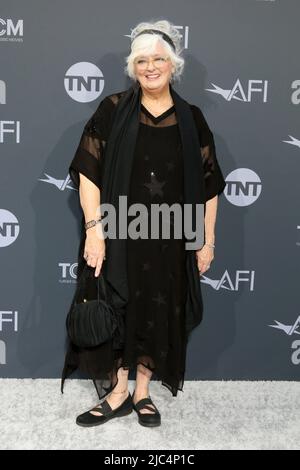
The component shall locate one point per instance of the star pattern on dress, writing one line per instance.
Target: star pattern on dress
(146, 157)
(159, 299)
(155, 187)
(177, 310)
(170, 166)
(150, 324)
(137, 293)
(146, 266)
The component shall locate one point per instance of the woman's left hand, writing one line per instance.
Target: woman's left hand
(204, 258)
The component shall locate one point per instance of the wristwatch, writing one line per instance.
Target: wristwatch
(91, 223)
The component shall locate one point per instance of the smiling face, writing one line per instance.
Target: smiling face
(154, 70)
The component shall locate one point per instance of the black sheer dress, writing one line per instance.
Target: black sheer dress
(155, 333)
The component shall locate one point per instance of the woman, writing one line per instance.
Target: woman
(151, 145)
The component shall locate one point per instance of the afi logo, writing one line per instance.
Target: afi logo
(243, 187)
(9, 228)
(10, 127)
(242, 94)
(60, 184)
(2, 353)
(290, 330)
(9, 316)
(292, 141)
(226, 282)
(84, 82)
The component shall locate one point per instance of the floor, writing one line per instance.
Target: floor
(206, 415)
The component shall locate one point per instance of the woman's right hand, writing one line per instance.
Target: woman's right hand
(94, 250)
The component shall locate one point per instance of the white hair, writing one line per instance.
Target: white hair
(146, 43)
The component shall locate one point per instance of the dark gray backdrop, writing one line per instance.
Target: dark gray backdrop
(254, 280)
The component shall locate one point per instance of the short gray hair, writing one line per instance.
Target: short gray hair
(146, 43)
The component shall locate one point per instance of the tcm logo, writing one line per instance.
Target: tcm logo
(2, 92)
(10, 30)
(184, 33)
(68, 273)
(243, 187)
(84, 82)
(290, 330)
(10, 127)
(59, 184)
(9, 228)
(292, 141)
(231, 283)
(8, 318)
(240, 93)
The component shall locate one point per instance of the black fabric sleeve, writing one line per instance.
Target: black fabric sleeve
(213, 176)
(89, 155)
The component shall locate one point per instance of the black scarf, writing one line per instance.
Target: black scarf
(119, 153)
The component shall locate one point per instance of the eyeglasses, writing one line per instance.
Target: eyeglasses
(158, 62)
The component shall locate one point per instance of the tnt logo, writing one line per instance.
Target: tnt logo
(9, 228)
(84, 82)
(243, 187)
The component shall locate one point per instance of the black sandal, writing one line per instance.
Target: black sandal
(87, 419)
(147, 419)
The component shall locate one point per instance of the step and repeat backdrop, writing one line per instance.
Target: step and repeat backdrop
(59, 59)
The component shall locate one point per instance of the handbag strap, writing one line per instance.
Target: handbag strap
(101, 285)
(101, 282)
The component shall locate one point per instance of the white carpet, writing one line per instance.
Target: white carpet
(206, 415)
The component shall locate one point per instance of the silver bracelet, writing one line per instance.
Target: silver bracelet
(210, 244)
(91, 223)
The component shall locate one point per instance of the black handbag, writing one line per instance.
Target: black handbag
(91, 321)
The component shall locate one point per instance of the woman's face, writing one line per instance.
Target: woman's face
(154, 71)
